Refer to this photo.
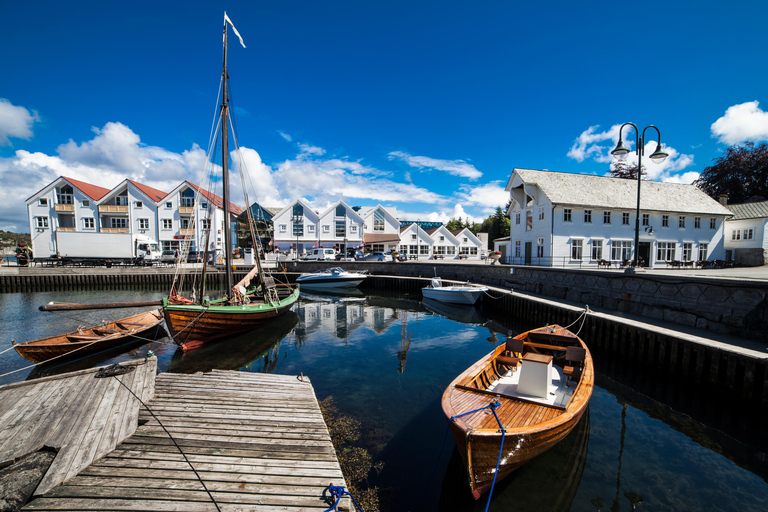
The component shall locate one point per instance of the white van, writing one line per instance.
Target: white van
(321, 254)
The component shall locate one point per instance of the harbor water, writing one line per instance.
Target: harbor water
(386, 360)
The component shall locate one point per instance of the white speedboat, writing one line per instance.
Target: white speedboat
(455, 294)
(331, 278)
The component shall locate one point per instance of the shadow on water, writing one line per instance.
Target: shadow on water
(237, 352)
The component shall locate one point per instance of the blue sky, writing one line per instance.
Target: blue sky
(419, 105)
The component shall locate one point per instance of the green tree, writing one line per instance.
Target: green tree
(454, 224)
(742, 173)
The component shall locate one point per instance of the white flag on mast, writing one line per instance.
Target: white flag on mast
(226, 19)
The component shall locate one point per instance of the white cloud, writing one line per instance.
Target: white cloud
(742, 123)
(285, 136)
(15, 122)
(488, 196)
(453, 167)
(444, 215)
(311, 150)
(598, 145)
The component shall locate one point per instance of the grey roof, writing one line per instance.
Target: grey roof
(749, 210)
(587, 190)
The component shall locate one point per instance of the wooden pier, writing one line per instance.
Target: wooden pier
(249, 442)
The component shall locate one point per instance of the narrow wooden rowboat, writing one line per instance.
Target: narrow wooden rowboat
(90, 340)
(540, 381)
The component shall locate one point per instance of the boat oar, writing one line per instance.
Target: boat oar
(65, 306)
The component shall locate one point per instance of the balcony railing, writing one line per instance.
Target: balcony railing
(186, 210)
(113, 208)
(59, 207)
(187, 232)
(115, 230)
(67, 229)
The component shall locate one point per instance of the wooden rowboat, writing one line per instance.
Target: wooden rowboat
(538, 385)
(89, 340)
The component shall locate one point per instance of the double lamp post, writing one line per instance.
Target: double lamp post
(658, 156)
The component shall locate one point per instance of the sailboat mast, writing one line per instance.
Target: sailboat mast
(225, 171)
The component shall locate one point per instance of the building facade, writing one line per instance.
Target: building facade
(565, 220)
(746, 240)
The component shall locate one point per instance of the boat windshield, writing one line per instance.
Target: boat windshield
(437, 282)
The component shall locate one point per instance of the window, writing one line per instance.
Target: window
(43, 201)
(413, 237)
(139, 204)
(567, 215)
(187, 201)
(529, 220)
(121, 200)
(378, 220)
(713, 223)
(541, 213)
(736, 234)
(167, 224)
(326, 229)
(298, 226)
(697, 222)
(517, 218)
(606, 217)
(184, 223)
(621, 250)
(88, 223)
(423, 249)
(597, 250)
(748, 234)
(205, 224)
(681, 221)
(65, 195)
(169, 204)
(118, 223)
(311, 228)
(41, 222)
(576, 247)
(204, 205)
(283, 228)
(665, 221)
(341, 211)
(703, 249)
(665, 251)
(540, 248)
(442, 239)
(687, 251)
(518, 248)
(341, 228)
(625, 219)
(143, 223)
(646, 219)
(451, 250)
(587, 216)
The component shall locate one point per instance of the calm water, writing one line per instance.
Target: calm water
(387, 360)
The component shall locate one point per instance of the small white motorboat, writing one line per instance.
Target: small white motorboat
(331, 278)
(455, 294)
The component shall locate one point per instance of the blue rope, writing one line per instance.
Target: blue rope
(338, 492)
(494, 406)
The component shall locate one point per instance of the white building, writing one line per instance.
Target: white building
(381, 228)
(296, 226)
(746, 234)
(563, 219)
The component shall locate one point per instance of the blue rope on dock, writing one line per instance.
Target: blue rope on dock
(338, 492)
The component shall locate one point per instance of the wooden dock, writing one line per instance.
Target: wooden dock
(80, 416)
(255, 441)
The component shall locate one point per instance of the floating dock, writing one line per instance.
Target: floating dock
(224, 440)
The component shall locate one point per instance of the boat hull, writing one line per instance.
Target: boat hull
(191, 325)
(140, 328)
(531, 427)
(330, 282)
(454, 294)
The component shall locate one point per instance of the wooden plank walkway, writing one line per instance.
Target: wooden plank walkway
(257, 441)
(81, 416)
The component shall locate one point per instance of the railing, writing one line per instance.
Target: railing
(60, 207)
(187, 232)
(115, 230)
(186, 210)
(66, 229)
(113, 208)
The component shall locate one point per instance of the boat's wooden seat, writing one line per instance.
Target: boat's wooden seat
(550, 339)
(513, 353)
(574, 363)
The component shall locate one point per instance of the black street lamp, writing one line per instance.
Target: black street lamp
(658, 156)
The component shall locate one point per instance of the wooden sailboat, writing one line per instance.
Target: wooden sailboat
(538, 385)
(256, 299)
(90, 340)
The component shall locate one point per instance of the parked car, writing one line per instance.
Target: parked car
(168, 257)
(195, 257)
(402, 257)
(378, 256)
(321, 254)
(351, 255)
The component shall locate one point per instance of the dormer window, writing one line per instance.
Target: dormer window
(43, 201)
(86, 203)
(139, 204)
(169, 204)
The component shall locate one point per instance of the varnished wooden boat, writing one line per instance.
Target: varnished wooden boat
(90, 340)
(540, 392)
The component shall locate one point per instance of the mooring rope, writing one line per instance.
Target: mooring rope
(113, 368)
(337, 492)
(493, 406)
(582, 317)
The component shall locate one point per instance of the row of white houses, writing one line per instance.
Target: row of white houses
(576, 220)
(68, 205)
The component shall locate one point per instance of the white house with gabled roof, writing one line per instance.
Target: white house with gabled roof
(340, 227)
(65, 204)
(746, 233)
(445, 245)
(564, 219)
(470, 246)
(296, 227)
(381, 228)
(415, 242)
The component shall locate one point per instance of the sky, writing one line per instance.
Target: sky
(422, 106)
